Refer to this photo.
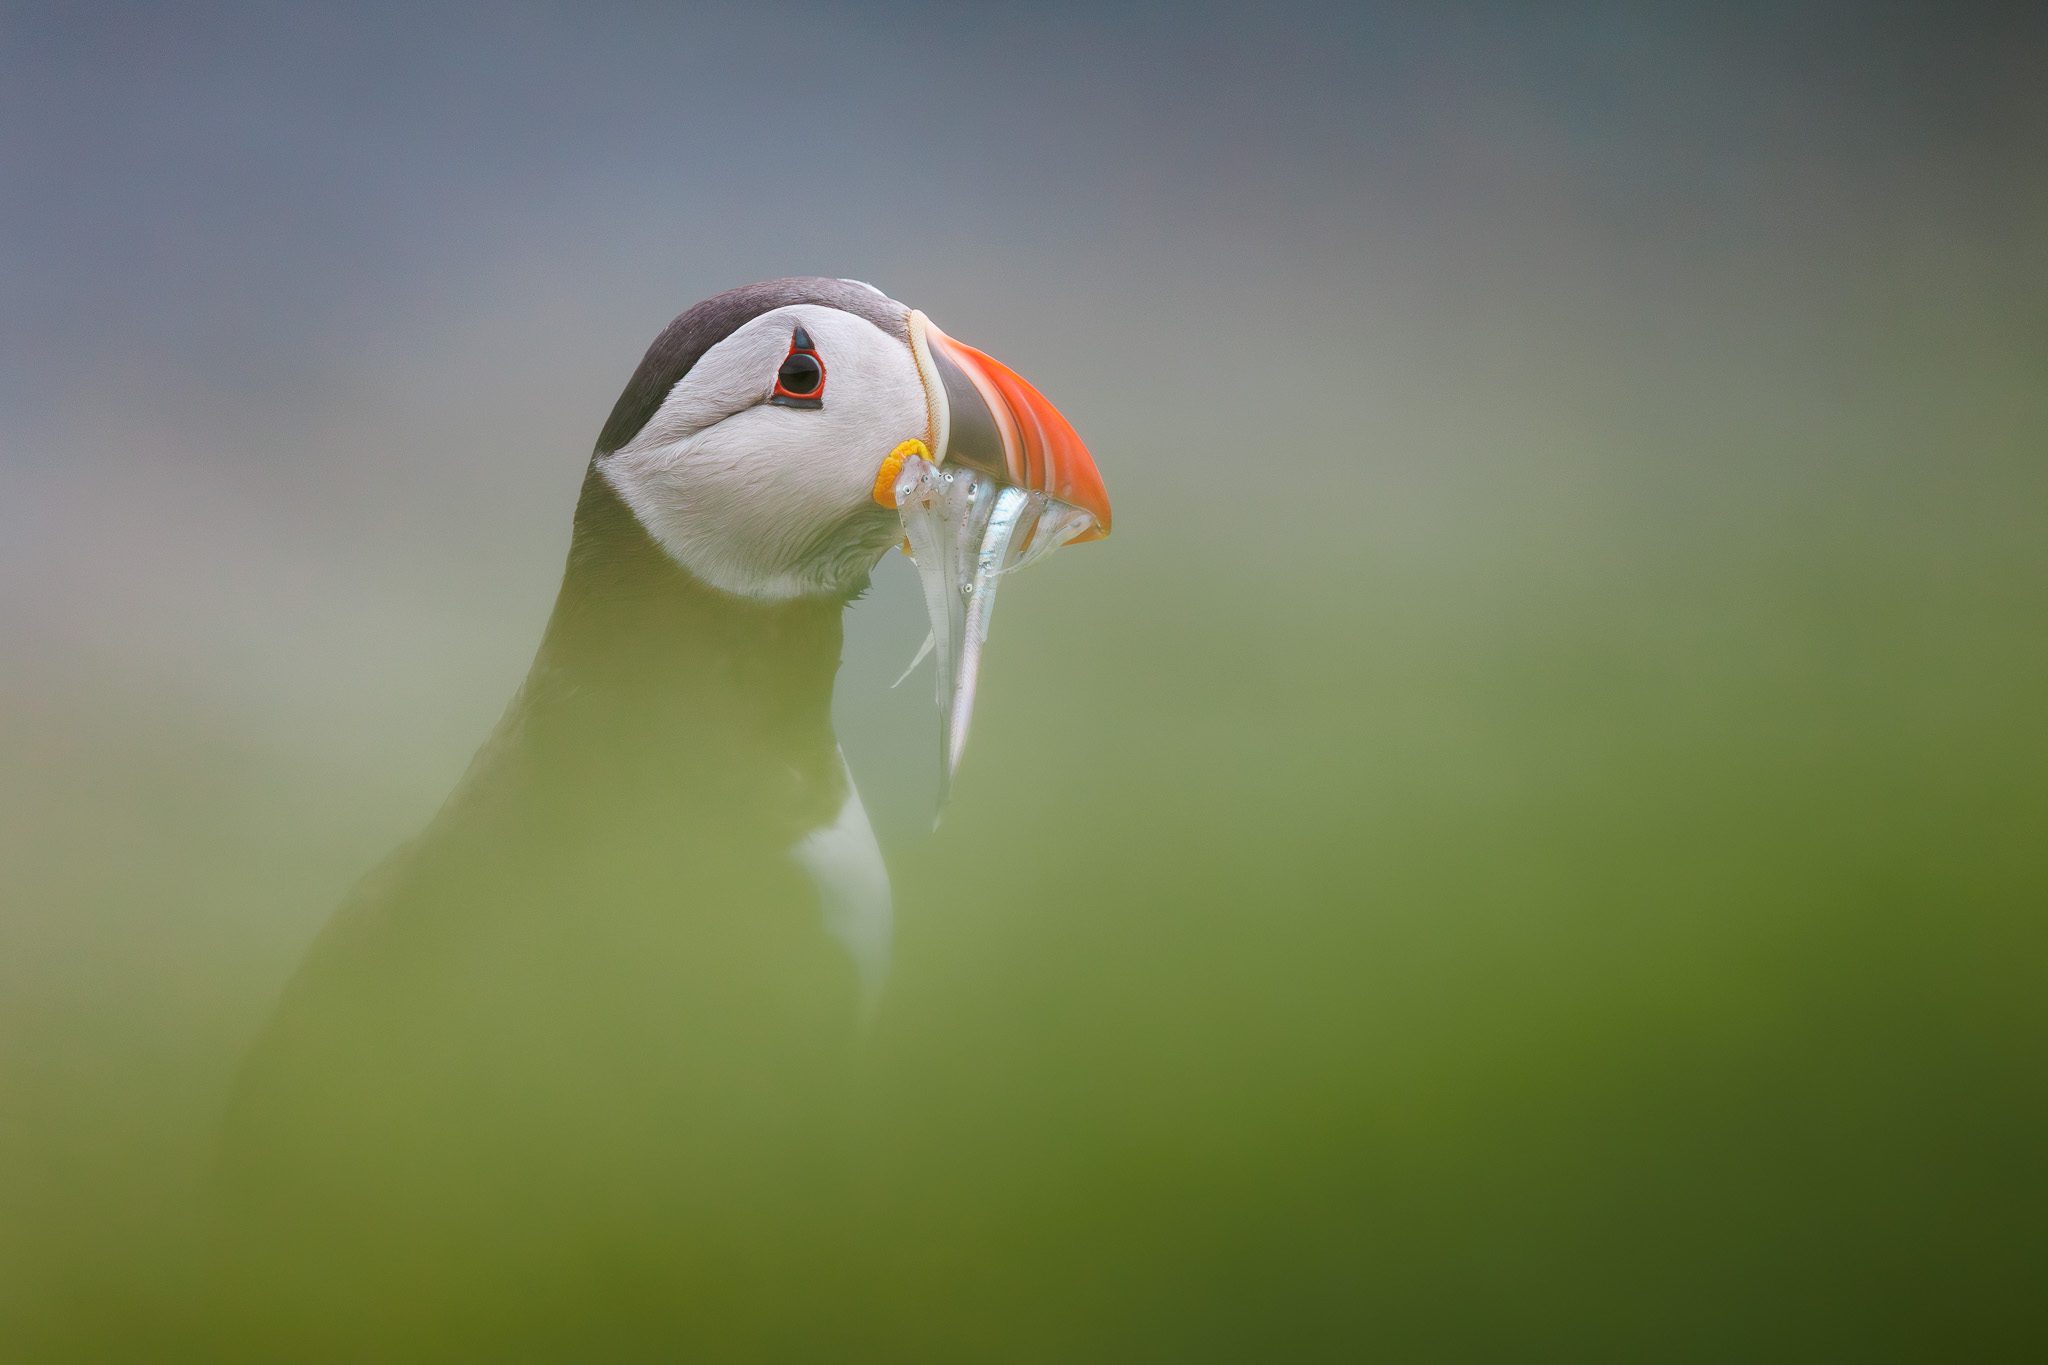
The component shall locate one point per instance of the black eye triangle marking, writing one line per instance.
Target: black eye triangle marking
(800, 340)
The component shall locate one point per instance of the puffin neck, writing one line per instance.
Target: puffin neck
(642, 655)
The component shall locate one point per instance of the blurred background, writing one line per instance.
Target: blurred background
(1528, 841)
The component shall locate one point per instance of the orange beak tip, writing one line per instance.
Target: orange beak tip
(1040, 450)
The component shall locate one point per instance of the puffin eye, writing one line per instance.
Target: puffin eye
(800, 383)
(800, 375)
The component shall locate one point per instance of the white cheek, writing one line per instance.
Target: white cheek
(742, 501)
(714, 503)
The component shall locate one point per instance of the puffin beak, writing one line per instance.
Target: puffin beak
(1004, 481)
(986, 416)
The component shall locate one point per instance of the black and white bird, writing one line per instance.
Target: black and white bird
(619, 971)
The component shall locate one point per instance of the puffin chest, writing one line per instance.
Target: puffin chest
(844, 863)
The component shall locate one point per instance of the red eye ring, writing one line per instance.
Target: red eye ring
(800, 381)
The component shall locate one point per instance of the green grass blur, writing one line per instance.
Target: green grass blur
(1608, 930)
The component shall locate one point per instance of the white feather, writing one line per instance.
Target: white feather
(738, 489)
(845, 863)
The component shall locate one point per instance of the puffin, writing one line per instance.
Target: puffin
(606, 1009)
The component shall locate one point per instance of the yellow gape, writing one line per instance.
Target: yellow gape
(892, 465)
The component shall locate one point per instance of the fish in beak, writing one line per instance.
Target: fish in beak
(1002, 481)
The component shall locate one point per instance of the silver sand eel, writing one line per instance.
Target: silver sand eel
(966, 530)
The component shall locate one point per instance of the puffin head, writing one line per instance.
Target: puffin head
(760, 440)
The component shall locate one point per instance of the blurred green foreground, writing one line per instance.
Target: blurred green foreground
(1608, 929)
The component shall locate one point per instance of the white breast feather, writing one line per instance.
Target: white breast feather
(845, 863)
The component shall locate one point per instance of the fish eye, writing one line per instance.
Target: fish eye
(800, 382)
